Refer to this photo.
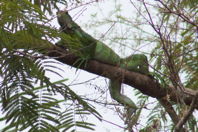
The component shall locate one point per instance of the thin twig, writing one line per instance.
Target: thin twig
(112, 123)
(178, 13)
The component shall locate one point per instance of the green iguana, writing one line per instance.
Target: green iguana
(91, 48)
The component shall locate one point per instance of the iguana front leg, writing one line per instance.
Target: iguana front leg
(115, 92)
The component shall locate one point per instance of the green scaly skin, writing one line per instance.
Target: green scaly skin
(94, 49)
(69, 27)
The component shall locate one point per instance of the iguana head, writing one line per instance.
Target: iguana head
(66, 22)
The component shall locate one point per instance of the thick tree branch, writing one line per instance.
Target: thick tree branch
(146, 84)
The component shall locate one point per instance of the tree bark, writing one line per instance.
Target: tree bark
(144, 83)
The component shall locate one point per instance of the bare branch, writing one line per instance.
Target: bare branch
(168, 107)
(187, 114)
(180, 14)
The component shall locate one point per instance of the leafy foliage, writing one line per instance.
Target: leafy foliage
(181, 45)
(28, 97)
(35, 109)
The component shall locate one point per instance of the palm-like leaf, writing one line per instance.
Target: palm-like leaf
(24, 31)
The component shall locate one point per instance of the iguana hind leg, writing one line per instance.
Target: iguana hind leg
(115, 92)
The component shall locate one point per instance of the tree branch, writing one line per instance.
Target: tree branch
(186, 115)
(146, 84)
(169, 109)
